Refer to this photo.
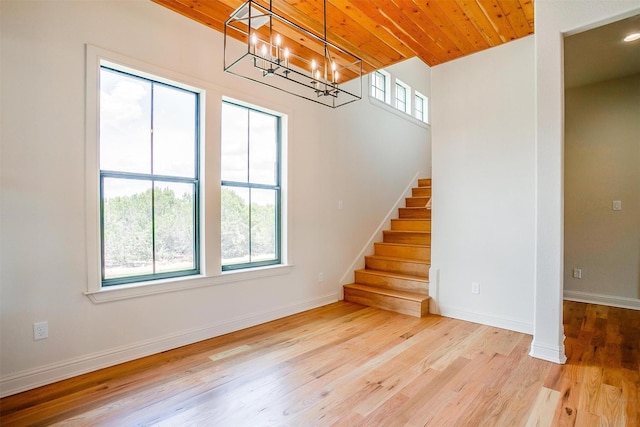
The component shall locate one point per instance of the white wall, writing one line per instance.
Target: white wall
(553, 18)
(360, 154)
(602, 164)
(483, 173)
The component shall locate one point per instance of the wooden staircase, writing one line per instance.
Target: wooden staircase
(396, 277)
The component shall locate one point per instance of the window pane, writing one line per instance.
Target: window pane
(174, 226)
(401, 98)
(419, 107)
(378, 86)
(263, 225)
(174, 131)
(234, 225)
(234, 150)
(128, 246)
(263, 148)
(125, 123)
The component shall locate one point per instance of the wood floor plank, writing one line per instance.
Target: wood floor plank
(347, 365)
(566, 410)
(544, 408)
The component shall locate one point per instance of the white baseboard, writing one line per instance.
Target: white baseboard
(358, 262)
(486, 319)
(48, 374)
(613, 301)
(547, 352)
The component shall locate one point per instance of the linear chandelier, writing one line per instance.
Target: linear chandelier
(276, 52)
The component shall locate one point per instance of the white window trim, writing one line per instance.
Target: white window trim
(210, 112)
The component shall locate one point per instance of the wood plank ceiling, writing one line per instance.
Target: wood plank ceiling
(384, 32)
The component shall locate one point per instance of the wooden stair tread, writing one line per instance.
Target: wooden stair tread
(407, 231)
(411, 296)
(399, 259)
(412, 245)
(394, 275)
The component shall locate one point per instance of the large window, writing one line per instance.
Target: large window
(251, 192)
(148, 149)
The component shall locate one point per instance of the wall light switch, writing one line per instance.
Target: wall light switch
(577, 273)
(475, 288)
(340, 204)
(617, 205)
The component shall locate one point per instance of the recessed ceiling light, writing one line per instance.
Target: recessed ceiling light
(632, 37)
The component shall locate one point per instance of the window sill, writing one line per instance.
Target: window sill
(122, 292)
(391, 109)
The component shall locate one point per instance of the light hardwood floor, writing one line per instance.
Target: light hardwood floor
(348, 365)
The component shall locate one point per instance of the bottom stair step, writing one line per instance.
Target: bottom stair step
(411, 303)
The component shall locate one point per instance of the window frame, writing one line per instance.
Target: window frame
(407, 97)
(425, 107)
(385, 91)
(155, 178)
(211, 96)
(277, 187)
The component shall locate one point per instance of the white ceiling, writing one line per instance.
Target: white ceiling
(600, 54)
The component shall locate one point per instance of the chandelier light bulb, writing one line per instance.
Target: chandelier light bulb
(278, 40)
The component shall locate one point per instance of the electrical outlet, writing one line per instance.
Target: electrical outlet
(340, 205)
(475, 288)
(617, 205)
(40, 330)
(320, 277)
(577, 273)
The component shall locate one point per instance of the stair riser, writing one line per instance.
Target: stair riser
(407, 237)
(364, 278)
(402, 267)
(421, 192)
(413, 252)
(411, 225)
(416, 202)
(414, 213)
(424, 182)
(385, 302)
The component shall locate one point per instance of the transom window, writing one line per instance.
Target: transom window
(251, 191)
(149, 178)
(421, 107)
(379, 86)
(402, 97)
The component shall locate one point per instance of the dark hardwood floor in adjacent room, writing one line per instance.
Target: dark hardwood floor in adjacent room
(347, 365)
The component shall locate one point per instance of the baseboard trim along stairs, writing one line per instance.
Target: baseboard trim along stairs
(396, 276)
